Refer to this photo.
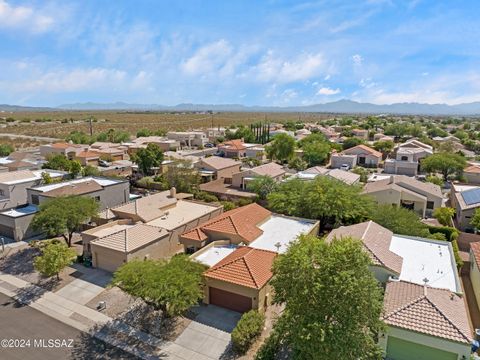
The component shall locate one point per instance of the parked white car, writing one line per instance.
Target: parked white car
(345, 167)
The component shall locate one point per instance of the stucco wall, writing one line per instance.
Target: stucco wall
(472, 178)
(475, 277)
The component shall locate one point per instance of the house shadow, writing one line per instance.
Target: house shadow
(20, 262)
(29, 294)
(91, 346)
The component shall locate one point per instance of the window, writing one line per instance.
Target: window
(430, 205)
(35, 200)
(404, 158)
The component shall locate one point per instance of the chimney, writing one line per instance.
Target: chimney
(173, 192)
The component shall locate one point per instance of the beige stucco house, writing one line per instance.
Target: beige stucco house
(465, 199)
(275, 171)
(401, 190)
(147, 226)
(216, 167)
(360, 155)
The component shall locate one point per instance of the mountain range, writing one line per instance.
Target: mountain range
(340, 106)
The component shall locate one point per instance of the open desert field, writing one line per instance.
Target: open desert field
(59, 124)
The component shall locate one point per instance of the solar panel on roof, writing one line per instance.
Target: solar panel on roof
(471, 196)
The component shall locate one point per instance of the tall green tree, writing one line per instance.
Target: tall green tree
(445, 163)
(63, 216)
(316, 153)
(444, 215)
(475, 221)
(351, 142)
(54, 258)
(171, 286)
(332, 301)
(399, 220)
(57, 162)
(262, 186)
(328, 200)
(385, 147)
(281, 148)
(148, 158)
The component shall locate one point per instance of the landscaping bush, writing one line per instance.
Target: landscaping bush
(450, 232)
(228, 205)
(204, 196)
(248, 328)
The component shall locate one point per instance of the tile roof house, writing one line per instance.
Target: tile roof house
(163, 211)
(472, 174)
(407, 158)
(376, 241)
(360, 155)
(138, 241)
(239, 246)
(401, 190)
(273, 170)
(423, 306)
(240, 280)
(347, 177)
(216, 167)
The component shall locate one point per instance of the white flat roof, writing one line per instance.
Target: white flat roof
(214, 254)
(17, 212)
(182, 213)
(426, 259)
(280, 230)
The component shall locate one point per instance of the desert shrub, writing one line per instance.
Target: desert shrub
(204, 196)
(228, 205)
(248, 328)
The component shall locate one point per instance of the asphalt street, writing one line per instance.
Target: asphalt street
(26, 333)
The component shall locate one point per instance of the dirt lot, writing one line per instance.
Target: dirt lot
(61, 123)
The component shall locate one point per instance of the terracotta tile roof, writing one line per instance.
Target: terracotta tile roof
(245, 266)
(87, 154)
(219, 163)
(475, 249)
(78, 188)
(242, 221)
(130, 239)
(431, 311)
(365, 148)
(376, 240)
(235, 144)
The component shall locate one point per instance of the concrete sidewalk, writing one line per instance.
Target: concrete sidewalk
(199, 341)
(82, 318)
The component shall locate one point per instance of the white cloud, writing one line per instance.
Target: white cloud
(303, 67)
(209, 58)
(328, 91)
(357, 59)
(289, 95)
(23, 17)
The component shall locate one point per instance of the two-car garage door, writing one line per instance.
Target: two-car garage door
(229, 300)
(399, 349)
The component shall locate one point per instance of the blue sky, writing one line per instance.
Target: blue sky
(243, 52)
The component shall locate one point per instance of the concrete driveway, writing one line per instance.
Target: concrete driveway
(207, 337)
(87, 286)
